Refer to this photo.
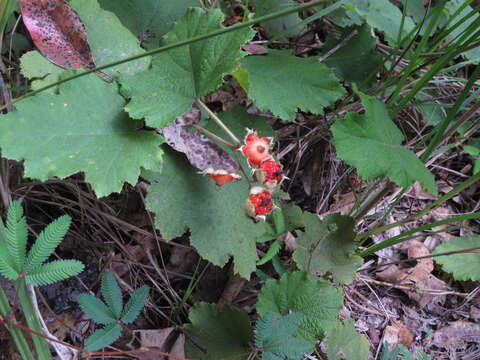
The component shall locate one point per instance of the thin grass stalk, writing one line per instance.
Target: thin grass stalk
(170, 47)
(15, 333)
(440, 130)
(402, 237)
(39, 343)
(455, 191)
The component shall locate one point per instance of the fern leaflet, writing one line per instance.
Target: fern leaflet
(103, 337)
(96, 309)
(135, 304)
(112, 293)
(53, 272)
(16, 235)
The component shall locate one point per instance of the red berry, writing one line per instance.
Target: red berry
(270, 172)
(256, 148)
(259, 203)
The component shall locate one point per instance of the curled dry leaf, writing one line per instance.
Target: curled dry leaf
(58, 32)
(418, 277)
(201, 152)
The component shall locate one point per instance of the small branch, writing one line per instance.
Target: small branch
(338, 46)
(219, 122)
(213, 136)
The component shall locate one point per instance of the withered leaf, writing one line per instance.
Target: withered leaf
(201, 152)
(58, 32)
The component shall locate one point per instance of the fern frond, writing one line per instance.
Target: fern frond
(95, 309)
(16, 235)
(53, 272)
(135, 304)
(103, 337)
(7, 268)
(47, 242)
(111, 293)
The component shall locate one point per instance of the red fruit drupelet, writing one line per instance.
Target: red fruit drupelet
(256, 148)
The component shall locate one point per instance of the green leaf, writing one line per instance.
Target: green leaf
(276, 336)
(42, 72)
(299, 292)
(344, 342)
(16, 235)
(149, 20)
(184, 200)
(81, 129)
(95, 309)
(109, 40)
(54, 271)
(112, 294)
(283, 26)
(372, 143)
(357, 60)
(300, 83)
(224, 332)
(7, 267)
(386, 18)
(135, 304)
(47, 242)
(103, 337)
(464, 266)
(326, 246)
(181, 75)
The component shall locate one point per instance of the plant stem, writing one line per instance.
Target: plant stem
(213, 136)
(41, 346)
(15, 333)
(219, 122)
(178, 44)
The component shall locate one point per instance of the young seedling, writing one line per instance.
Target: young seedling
(29, 268)
(111, 313)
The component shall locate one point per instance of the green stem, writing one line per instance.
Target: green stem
(41, 346)
(172, 46)
(219, 122)
(15, 333)
(402, 237)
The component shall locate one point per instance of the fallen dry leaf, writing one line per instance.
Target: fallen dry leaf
(397, 334)
(58, 32)
(166, 340)
(457, 334)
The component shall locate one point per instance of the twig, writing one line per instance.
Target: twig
(338, 46)
(219, 122)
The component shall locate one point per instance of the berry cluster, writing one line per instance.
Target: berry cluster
(266, 171)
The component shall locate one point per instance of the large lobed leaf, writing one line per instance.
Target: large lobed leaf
(83, 129)
(181, 75)
(184, 200)
(282, 83)
(372, 143)
(463, 266)
(344, 342)
(109, 39)
(299, 292)
(276, 336)
(149, 20)
(326, 246)
(224, 332)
